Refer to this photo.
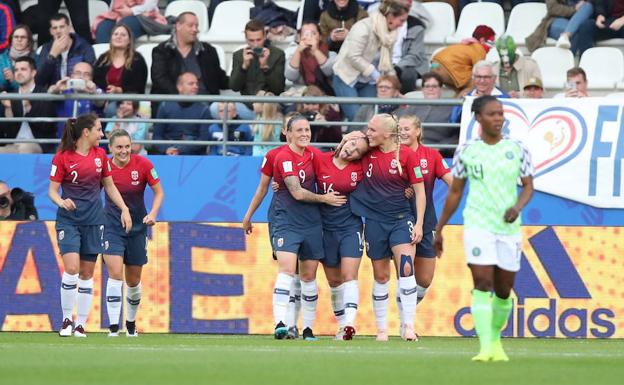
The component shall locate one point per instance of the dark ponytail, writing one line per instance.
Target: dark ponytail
(480, 102)
(73, 130)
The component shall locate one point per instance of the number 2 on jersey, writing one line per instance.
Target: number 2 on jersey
(74, 175)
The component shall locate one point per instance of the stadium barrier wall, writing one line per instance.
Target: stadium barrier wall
(211, 278)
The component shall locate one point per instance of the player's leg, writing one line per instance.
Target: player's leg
(349, 267)
(334, 279)
(424, 265)
(114, 266)
(68, 239)
(378, 250)
(309, 296)
(85, 292)
(403, 256)
(133, 297)
(287, 262)
(294, 306)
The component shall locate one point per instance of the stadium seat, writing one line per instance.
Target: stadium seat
(611, 43)
(228, 22)
(100, 48)
(221, 55)
(615, 95)
(599, 75)
(523, 20)
(177, 7)
(553, 63)
(443, 22)
(96, 7)
(292, 5)
(146, 51)
(474, 14)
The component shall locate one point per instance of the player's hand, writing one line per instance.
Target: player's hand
(438, 242)
(247, 226)
(275, 186)
(68, 204)
(409, 193)
(335, 199)
(149, 220)
(417, 235)
(511, 214)
(126, 220)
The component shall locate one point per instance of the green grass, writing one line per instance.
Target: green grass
(45, 358)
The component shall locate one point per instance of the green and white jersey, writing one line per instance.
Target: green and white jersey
(493, 172)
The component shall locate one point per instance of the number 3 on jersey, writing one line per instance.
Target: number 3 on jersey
(369, 172)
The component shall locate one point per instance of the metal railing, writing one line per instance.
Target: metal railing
(224, 121)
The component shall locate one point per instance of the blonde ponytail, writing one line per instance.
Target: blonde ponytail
(391, 124)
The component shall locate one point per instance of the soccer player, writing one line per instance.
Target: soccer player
(341, 171)
(432, 167)
(80, 167)
(492, 163)
(391, 230)
(130, 173)
(297, 230)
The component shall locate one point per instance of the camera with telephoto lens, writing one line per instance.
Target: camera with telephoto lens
(4, 202)
(23, 207)
(310, 115)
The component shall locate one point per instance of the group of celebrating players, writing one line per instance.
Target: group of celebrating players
(375, 191)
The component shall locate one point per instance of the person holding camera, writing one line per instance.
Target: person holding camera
(315, 112)
(257, 67)
(25, 73)
(337, 20)
(16, 204)
(576, 84)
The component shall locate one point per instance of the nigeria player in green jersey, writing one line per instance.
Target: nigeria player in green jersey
(493, 164)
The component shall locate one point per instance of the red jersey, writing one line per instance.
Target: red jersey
(433, 167)
(81, 177)
(269, 160)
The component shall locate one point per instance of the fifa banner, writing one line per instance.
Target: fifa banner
(577, 145)
(212, 278)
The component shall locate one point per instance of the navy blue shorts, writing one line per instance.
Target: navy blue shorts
(338, 244)
(307, 244)
(382, 236)
(131, 246)
(425, 247)
(86, 240)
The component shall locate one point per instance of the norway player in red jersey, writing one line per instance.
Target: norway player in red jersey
(297, 231)
(343, 235)
(391, 228)
(432, 167)
(80, 168)
(131, 173)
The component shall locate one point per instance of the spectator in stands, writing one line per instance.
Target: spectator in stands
(128, 109)
(609, 19)
(568, 21)
(576, 85)
(432, 89)
(311, 63)
(120, 70)
(515, 70)
(366, 53)
(38, 18)
(126, 12)
(265, 132)
(183, 52)
(25, 72)
(257, 67)
(454, 63)
(57, 58)
(79, 81)
(338, 19)
(533, 89)
(187, 84)
(236, 132)
(409, 56)
(316, 112)
(7, 24)
(388, 87)
(484, 80)
(21, 45)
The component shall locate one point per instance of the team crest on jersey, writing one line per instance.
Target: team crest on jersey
(61, 235)
(423, 166)
(135, 177)
(280, 242)
(98, 162)
(353, 178)
(394, 163)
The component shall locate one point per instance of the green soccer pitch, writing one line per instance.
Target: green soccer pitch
(45, 358)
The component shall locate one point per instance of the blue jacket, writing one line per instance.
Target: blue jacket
(49, 70)
(236, 133)
(180, 131)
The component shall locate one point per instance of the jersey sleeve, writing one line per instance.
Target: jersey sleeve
(57, 172)
(414, 172)
(526, 163)
(106, 169)
(459, 169)
(150, 171)
(285, 164)
(441, 168)
(267, 164)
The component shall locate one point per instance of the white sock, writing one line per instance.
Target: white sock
(113, 300)
(380, 304)
(399, 304)
(85, 298)
(291, 311)
(407, 290)
(69, 290)
(133, 299)
(337, 301)
(281, 296)
(309, 298)
(351, 301)
(297, 298)
(421, 292)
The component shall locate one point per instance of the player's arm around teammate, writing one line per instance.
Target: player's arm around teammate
(80, 167)
(131, 174)
(493, 164)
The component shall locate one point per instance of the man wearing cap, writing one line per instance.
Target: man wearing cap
(533, 89)
(515, 70)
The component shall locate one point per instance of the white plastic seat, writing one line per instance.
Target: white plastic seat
(553, 63)
(524, 19)
(146, 51)
(100, 48)
(474, 14)
(443, 22)
(228, 22)
(96, 7)
(177, 7)
(604, 67)
(291, 5)
(221, 56)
